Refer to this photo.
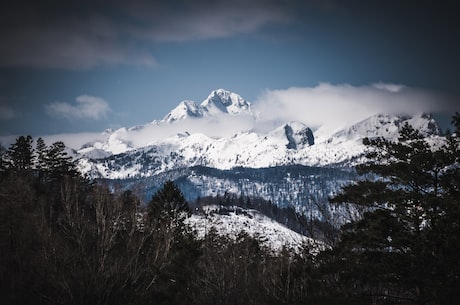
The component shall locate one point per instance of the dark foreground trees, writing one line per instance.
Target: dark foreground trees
(65, 240)
(405, 248)
(68, 241)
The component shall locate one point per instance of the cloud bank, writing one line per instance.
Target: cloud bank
(337, 106)
(86, 107)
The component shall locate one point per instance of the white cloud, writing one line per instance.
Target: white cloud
(215, 127)
(86, 107)
(388, 87)
(75, 140)
(337, 106)
(72, 140)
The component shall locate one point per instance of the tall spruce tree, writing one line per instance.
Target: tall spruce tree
(20, 154)
(58, 164)
(167, 202)
(41, 152)
(403, 248)
(175, 243)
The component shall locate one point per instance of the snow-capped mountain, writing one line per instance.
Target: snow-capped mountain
(386, 126)
(289, 165)
(291, 143)
(287, 144)
(187, 118)
(140, 152)
(134, 153)
(218, 102)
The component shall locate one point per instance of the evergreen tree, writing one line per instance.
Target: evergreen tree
(41, 152)
(57, 163)
(20, 154)
(167, 202)
(175, 245)
(403, 247)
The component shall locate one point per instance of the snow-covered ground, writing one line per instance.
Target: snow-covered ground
(271, 233)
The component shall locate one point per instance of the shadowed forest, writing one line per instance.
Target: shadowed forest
(66, 239)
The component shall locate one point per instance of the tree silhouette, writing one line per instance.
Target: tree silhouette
(175, 249)
(167, 202)
(20, 154)
(402, 248)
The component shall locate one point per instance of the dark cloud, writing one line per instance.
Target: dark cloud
(47, 34)
(84, 34)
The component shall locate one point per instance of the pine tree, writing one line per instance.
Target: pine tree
(173, 242)
(167, 202)
(41, 152)
(20, 154)
(58, 164)
(404, 245)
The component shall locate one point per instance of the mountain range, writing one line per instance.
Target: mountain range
(217, 148)
(138, 152)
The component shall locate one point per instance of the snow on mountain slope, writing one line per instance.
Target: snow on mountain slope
(247, 149)
(272, 234)
(386, 126)
(220, 133)
(184, 110)
(346, 145)
(218, 102)
(292, 143)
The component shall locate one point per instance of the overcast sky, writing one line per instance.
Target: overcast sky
(89, 65)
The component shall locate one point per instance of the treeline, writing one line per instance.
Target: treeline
(67, 240)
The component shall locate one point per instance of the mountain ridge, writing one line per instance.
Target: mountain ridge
(129, 152)
(291, 143)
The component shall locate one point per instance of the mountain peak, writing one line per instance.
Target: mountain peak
(221, 100)
(224, 96)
